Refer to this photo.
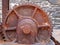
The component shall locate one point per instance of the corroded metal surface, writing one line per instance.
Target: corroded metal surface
(27, 24)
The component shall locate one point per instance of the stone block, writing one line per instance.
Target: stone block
(35, 0)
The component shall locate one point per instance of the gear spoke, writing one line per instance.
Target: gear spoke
(34, 12)
(44, 26)
(17, 14)
(9, 28)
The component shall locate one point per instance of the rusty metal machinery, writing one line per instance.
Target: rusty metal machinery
(27, 24)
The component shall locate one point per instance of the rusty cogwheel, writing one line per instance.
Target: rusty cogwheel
(23, 22)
